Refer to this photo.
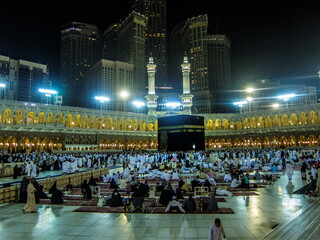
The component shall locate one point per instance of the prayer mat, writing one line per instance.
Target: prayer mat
(301, 190)
(245, 193)
(154, 210)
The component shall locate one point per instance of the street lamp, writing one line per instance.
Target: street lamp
(2, 90)
(286, 97)
(249, 99)
(138, 104)
(240, 104)
(124, 94)
(102, 100)
(275, 105)
(47, 93)
(249, 90)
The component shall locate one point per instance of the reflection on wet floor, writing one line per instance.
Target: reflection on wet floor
(254, 217)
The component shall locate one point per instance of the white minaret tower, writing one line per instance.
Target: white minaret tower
(186, 97)
(151, 97)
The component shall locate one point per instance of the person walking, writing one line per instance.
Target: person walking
(216, 230)
(30, 207)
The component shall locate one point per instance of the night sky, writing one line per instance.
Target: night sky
(269, 40)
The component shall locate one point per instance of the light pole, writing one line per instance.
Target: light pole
(102, 100)
(47, 93)
(240, 105)
(124, 95)
(286, 98)
(138, 104)
(2, 90)
(249, 99)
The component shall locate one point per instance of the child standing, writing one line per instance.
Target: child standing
(247, 182)
(216, 230)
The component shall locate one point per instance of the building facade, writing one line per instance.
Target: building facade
(265, 95)
(30, 127)
(128, 38)
(210, 63)
(156, 35)
(219, 72)
(80, 49)
(22, 80)
(110, 79)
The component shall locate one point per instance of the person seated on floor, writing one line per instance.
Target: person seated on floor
(212, 204)
(116, 199)
(102, 202)
(202, 175)
(257, 176)
(107, 178)
(227, 177)
(165, 197)
(180, 183)
(223, 191)
(86, 190)
(56, 194)
(311, 187)
(185, 187)
(174, 204)
(211, 179)
(190, 204)
(166, 176)
(274, 168)
(195, 183)
(175, 176)
(159, 188)
(153, 173)
(235, 183)
(144, 188)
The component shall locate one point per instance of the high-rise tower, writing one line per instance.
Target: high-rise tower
(125, 42)
(156, 34)
(210, 63)
(219, 73)
(80, 49)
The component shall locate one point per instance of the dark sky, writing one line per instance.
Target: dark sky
(277, 41)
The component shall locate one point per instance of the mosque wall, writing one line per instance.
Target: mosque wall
(29, 127)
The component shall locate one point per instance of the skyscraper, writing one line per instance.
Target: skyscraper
(22, 79)
(219, 72)
(125, 42)
(156, 35)
(210, 63)
(110, 79)
(80, 49)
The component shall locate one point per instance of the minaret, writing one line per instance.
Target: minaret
(186, 97)
(151, 97)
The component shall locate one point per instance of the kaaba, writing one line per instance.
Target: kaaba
(181, 133)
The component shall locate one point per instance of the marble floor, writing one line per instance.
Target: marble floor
(254, 217)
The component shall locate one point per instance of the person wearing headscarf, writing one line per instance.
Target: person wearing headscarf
(30, 207)
(190, 204)
(56, 194)
(86, 190)
(212, 203)
(23, 190)
(116, 199)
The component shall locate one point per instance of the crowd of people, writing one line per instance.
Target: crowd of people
(190, 169)
(154, 162)
(230, 165)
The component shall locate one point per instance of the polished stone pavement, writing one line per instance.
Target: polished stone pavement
(254, 218)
